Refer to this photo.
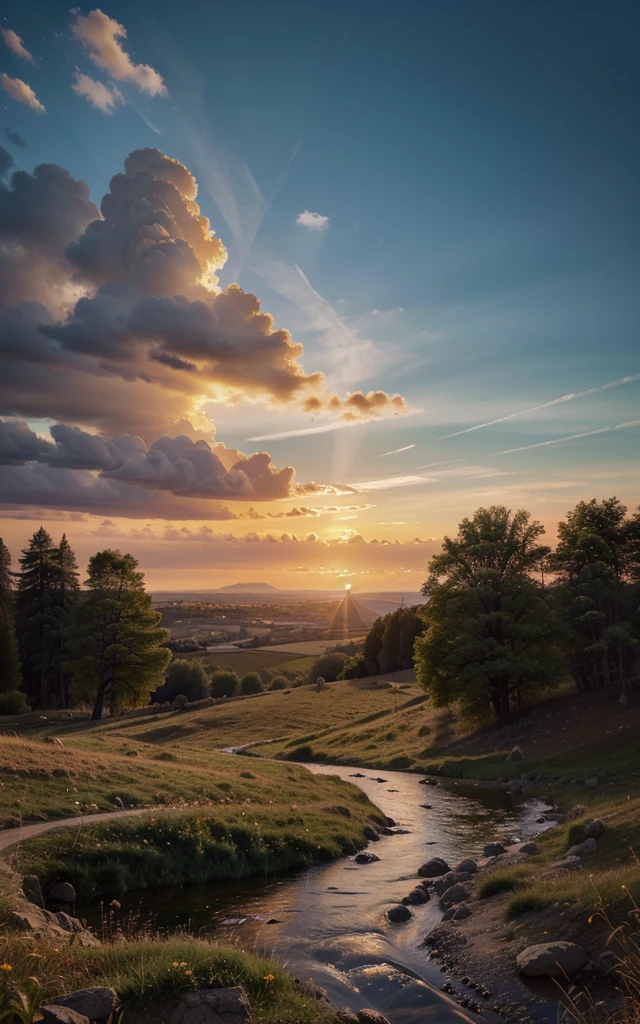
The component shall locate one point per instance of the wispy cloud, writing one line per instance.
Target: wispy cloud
(326, 428)
(396, 451)
(312, 221)
(21, 92)
(14, 43)
(105, 98)
(570, 437)
(547, 405)
(100, 36)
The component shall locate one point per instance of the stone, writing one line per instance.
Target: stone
(461, 913)
(594, 829)
(592, 782)
(370, 834)
(455, 894)
(515, 785)
(493, 850)
(62, 892)
(551, 959)
(530, 848)
(371, 1017)
(568, 864)
(515, 754)
(468, 866)
(43, 924)
(118, 802)
(33, 890)
(448, 914)
(433, 868)
(416, 897)
(399, 914)
(366, 858)
(62, 1015)
(97, 1002)
(346, 1018)
(583, 849)
(606, 962)
(391, 823)
(212, 1006)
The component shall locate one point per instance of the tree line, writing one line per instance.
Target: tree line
(508, 618)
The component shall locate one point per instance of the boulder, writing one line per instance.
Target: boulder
(593, 829)
(371, 1017)
(515, 785)
(583, 849)
(592, 782)
(551, 959)
(371, 834)
(448, 914)
(346, 1018)
(212, 1006)
(434, 868)
(468, 866)
(62, 1015)
(515, 754)
(455, 894)
(97, 1003)
(493, 850)
(530, 848)
(568, 864)
(399, 914)
(416, 897)
(366, 858)
(33, 890)
(461, 912)
(62, 892)
(42, 924)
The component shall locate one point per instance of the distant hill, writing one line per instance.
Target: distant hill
(248, 588)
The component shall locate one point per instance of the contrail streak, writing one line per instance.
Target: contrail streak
(396, 451)
(547, 405)
(570, 437)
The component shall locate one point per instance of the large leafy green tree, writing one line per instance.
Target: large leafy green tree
(490, 639)
(10, 675)
(596, 563)
(116, 654)
(35, 615)
(186, 677)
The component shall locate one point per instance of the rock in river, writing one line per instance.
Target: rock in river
(493, 849)
(454, 894)
(399, 914)
(433, 868)
(551, 959)
(366, 858)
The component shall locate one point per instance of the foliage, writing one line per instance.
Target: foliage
(278, 683)
(251, 683)
(389, 644)
(224, 683)
(186, 676)
(491, 638)
(328, 666)
(13, 702)
(116, 653)
(10, 674)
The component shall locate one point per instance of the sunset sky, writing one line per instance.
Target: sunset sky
(429, 216)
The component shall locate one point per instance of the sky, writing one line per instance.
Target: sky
(392, 246)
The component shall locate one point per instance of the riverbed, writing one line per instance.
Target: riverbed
(328, 923)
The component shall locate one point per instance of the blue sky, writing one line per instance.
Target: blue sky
(478, 166)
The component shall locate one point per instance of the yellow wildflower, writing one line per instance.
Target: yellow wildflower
(6, 967)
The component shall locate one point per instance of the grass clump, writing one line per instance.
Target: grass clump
(499, 881)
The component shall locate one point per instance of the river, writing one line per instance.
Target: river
(328, 923)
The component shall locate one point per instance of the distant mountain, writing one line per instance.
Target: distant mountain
(248, 588)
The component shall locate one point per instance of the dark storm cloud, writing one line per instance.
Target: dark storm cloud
(16, 139)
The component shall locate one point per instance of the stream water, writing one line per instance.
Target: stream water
(328, 923)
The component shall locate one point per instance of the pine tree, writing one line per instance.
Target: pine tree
(115, 645)
(66, 594)
(36, 620)
(9, 658)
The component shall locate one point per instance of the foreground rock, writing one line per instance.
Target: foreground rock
(44, 924)
(594, 829)
(493, 849)
(416, 897)
(455, 894)
(97, 1003)
(33, 890)
(584, 849)
(366, 858)
(551, 960)
(434, 868)
(399, 914)
(212, 1006)
(62, 1015)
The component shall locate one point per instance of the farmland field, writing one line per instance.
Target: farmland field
(310, 647)
(244, 661)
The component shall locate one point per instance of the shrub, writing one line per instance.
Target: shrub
(329, 666)
(180, 702)
(13, 702)
(499, 881)
(522, 903)
(266, 676)
(185, 676)
(279, 683)
(251, 683)
(224, 683)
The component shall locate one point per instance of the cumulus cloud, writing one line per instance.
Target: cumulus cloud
(16, 139)
(14, 43)
(21, 92)
(357, 406)
(312, 221)
(100, 36)
(106, 98)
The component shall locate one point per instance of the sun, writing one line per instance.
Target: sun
(347, 586)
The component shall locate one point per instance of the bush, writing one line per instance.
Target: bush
(266, 676)
(13, 702)
(224, 683)
(279, 683)
(499, 881)
(180, 702)
(251, 683)
(185, 676)
(356, 668)
(328, 666)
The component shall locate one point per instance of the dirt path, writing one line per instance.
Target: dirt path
(12, 836)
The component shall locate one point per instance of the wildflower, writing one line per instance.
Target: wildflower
(269, 977)
(187, 973)
(294, 807)
(6, 967)
(115, 905)
(175, 964)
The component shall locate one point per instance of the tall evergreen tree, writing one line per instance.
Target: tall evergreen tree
(116, 653)
(66, 594)
(9, 659)
(36, 620)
